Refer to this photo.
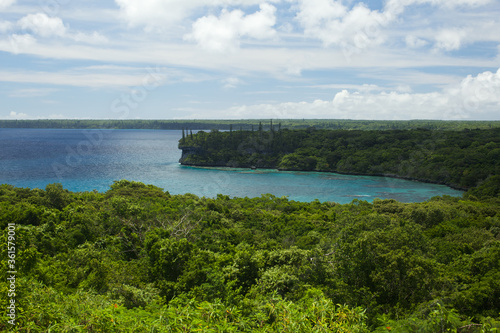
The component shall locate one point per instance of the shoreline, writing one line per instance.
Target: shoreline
(426, 181)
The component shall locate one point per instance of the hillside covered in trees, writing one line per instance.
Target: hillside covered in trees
(138, 259)
(462, 159)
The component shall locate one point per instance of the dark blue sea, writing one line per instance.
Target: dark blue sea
(87, 160)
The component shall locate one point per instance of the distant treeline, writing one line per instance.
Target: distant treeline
(248, 124)
(461, 159)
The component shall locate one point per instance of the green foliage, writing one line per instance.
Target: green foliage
(488, 189)
(56, 197)
(462, 159)
(137, 259)
(248, 124)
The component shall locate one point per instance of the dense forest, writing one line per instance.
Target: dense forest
(247, 124)
(462, 159)
(137, 259)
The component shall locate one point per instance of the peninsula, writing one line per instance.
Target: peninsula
(460, 159)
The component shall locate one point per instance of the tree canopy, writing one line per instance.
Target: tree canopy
(462, 159)
(138, 259)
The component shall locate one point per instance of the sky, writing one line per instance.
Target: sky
(244, 59)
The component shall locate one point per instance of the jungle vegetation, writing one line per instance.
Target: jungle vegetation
(462, 159)
(138, 259)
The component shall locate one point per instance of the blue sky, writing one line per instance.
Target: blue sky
(241, 59)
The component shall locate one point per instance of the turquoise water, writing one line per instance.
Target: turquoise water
(86, 160)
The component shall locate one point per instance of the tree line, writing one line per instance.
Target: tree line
(246, 124)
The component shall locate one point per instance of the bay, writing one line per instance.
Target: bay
(87, 160)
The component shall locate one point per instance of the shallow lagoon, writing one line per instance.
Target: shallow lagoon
(86, 160)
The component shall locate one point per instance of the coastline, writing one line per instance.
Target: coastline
(387, 175)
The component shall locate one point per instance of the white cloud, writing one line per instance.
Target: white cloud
(473, 98)
(231, 82)
(15, 115)
(42, 25)
(470, 31)
(21, 116)
(278, 63)
(315, 12)
(223, 33)
(456, 3)
(334, 24)
(85, 78)
(450, 39)
(397, 7)
(90, 38)
(5, 26)
(481, 92)
(465, 30)
(165, 13)
(447, 25)
(357, 87)
(359, 27)
(20, 43)
(415, 42)
(6, 3)
(155, 12)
